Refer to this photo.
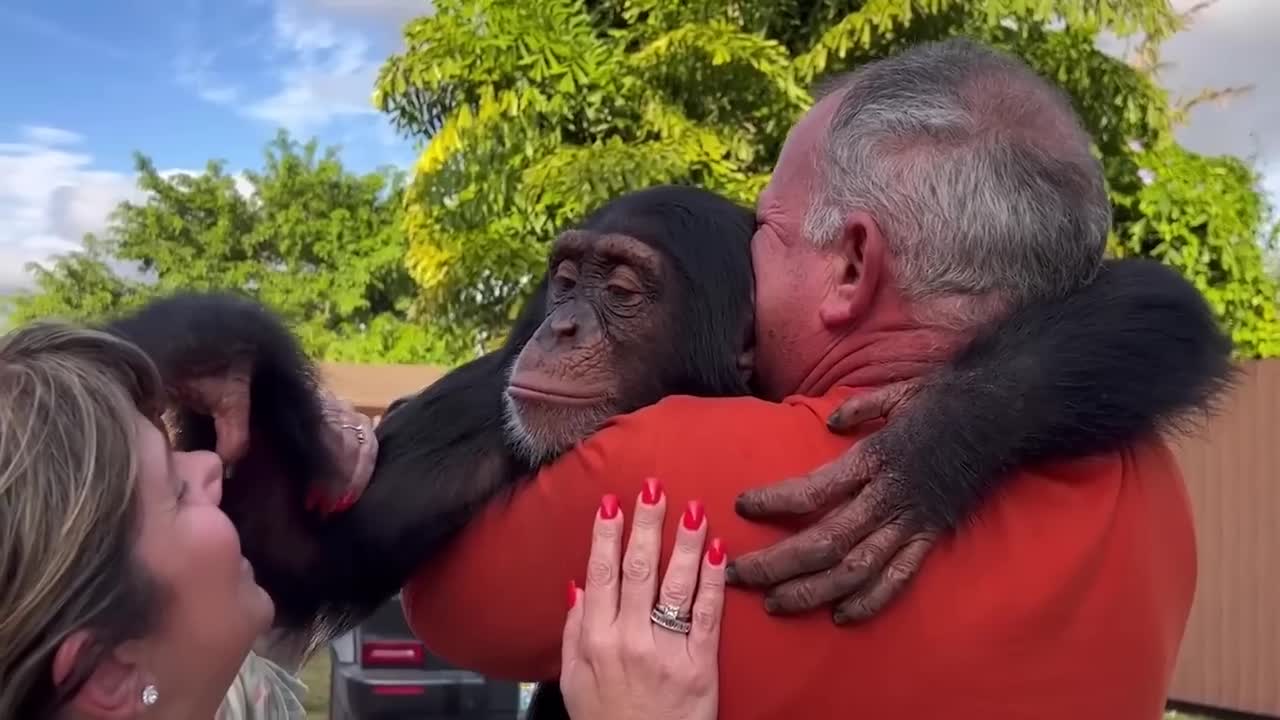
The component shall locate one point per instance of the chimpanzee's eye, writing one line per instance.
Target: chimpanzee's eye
(565, 278)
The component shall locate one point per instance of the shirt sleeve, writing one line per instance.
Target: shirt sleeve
(263, 690)
(495, 602)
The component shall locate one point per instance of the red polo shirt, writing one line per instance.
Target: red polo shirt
(1065, 599)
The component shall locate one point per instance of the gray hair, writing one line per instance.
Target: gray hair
(977, 171)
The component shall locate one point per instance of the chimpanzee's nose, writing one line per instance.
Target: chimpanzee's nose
(565, 325)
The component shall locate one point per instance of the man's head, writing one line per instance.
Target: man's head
(935, 187)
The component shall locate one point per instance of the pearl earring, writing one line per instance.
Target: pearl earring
(150, 695)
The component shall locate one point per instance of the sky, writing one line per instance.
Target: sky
(89, 82)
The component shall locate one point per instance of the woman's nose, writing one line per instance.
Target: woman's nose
(208, 467)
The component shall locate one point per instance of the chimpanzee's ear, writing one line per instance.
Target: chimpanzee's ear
(747, 364)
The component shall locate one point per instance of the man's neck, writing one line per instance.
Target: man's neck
(879, 357)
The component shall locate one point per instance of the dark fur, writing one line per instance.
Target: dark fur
(1137, 352)
(1094, 371)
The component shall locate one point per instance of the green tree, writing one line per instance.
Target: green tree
(321, 245)
(536, 112)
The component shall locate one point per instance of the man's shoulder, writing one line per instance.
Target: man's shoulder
(1146, 457)
(686, 417)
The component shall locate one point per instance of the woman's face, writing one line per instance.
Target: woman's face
(211, 610)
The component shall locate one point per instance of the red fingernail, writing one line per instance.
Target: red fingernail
(609, 507)
(715, 555)
(573, 594)
(693, 515)
(652, 492)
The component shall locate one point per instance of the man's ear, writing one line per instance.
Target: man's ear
(747, 364)
(859, 254)
(113, 689)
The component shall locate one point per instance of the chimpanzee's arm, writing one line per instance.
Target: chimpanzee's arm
(442, 454)
(194, 337)
(1136, 351)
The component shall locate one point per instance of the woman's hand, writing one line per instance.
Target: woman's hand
(618, 662)
(354, 445)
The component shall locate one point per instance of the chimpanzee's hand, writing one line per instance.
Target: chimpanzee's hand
(223, 396)
(863, 552)
(350, 437)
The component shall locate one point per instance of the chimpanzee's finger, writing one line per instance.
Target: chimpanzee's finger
(229, 404)
(366, 452)
(819, 547)
(858, 568)
(231, 428)
(803, 495)
(889, 584)
(865, 407)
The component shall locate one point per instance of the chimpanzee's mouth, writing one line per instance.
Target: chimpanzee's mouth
(559, 396)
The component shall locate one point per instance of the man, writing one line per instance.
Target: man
(922, 196)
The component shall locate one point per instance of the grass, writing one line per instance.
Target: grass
(316, 677)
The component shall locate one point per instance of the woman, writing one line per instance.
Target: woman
(124, 593)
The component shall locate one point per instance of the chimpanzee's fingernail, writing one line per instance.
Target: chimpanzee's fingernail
(731, 574)
(348, 501)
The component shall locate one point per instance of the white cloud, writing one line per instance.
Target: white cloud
(195, 71)
(43, 135)
(392, 13)
(329, 71)
(321, 60)
(1229, 44)
(50, 197)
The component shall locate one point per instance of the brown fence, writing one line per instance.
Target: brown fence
(1231, 655)
(1230, 658)
(371, 388)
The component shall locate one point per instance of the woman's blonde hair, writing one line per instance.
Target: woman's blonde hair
(68, 509)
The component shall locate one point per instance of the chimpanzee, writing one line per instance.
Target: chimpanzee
(652, 296)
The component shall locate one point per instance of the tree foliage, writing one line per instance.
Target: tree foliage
(538, 111)
(319, 244)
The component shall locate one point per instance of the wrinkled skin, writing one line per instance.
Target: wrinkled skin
(609, 298)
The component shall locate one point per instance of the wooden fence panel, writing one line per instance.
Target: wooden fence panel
(1230, 657)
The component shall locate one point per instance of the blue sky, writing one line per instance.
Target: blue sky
(89, 82)
(186, 79)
